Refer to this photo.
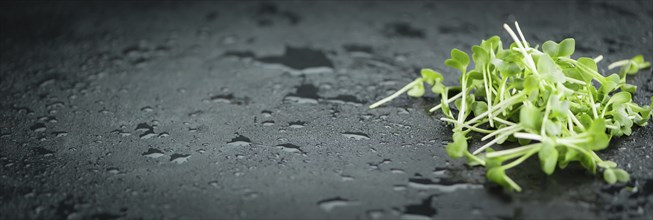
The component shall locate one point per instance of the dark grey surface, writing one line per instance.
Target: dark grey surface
(259, 110)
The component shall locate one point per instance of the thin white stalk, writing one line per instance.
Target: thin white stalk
(598, 59)
(461, 111)
(447, 101)
(575, 120)
(529, 60)
(596, 115)
(489, 144)
(618, 64)
(466, 126)
(504, 121)
(495, 108)
(522, 158)
(396, 94)
(528, 136)
(510, 151)
(521, 34)
(498, 132)
(612, 127)
(572, 80)
(488, 94)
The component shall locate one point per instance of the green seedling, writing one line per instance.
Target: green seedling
(557, 108)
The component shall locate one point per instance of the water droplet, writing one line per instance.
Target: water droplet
(356, 135)
(179, 158)
(443, 186)
(290, 148)
(38, 127)
(229, 98)
(266, 113)
(267, 123)
(346, 99)
(239, 141)
(332, 203)
(113, 170)
(60, 133)
(53, 105)
(397, 171)
(143, 127)
(214, 184)
(399, 187)
(121, 132)
(148, 135)
(153, 153)
(195, 113)
(297, 124)
(147, 109)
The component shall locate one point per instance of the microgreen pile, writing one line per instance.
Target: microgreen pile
(557, 108)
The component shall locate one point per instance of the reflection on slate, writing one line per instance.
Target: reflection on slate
(258, 110)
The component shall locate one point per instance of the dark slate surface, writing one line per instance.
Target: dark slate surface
(160, 110)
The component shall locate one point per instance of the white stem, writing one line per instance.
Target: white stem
(575, 120)
(497, 132)
(572, 80)
(447, 101)
(521, 34)
(504, 121)
(598, 59)
(618, 64)
(466, 126)
(596, 115)
(495, 108)
(529, 60)
(393, 96)
(492, 142)
(488, 93)
(528, 136)
(509, 151)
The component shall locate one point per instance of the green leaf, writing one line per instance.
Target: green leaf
(566, 47)
(457, 148)
(460, 56)
(480, 56)
(609, 176)
(498, 176)
(551, 48)
(636, 63)
(590, 64)
(588, 162)
(549, 69)
(530, 117)
(417, 90)
(622, 175)
(620, 98)
(548, 158)
(479, 107)
(611, 83)
(629, 88)
(600, 139)
(438, 88)
(459, 60)
(431, 76)
(456, 65)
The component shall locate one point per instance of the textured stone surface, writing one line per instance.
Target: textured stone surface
(259, 110)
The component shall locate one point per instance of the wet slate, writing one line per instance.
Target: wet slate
(254, 110)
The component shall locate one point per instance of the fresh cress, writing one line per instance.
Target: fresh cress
(558, 109)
